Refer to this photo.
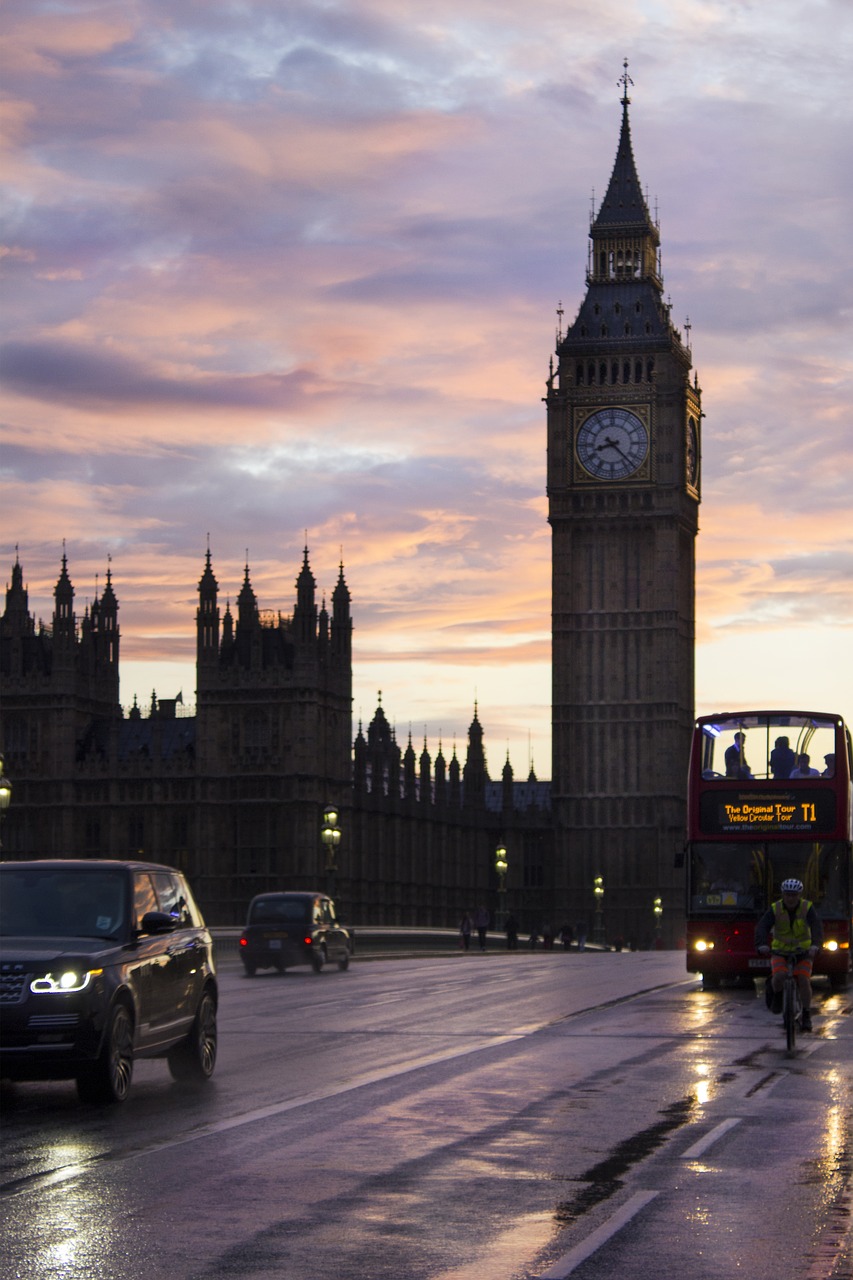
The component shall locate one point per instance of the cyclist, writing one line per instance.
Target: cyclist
(795, 926)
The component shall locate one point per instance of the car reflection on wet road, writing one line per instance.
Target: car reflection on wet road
(515, 1116)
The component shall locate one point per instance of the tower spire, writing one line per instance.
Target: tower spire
(625, 80)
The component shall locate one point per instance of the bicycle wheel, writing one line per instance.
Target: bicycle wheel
(789, 1016)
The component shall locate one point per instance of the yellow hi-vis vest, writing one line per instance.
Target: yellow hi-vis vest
(788, 938)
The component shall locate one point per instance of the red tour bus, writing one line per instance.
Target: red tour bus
(769, 798)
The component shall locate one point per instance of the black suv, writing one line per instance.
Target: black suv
(101, 962)
(283, 929)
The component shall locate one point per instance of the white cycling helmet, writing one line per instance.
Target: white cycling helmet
(792, 886)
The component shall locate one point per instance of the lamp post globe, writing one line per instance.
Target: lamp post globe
(330, 835)
(501, 866)
(5, 794)
(657, 908)
(598, 894)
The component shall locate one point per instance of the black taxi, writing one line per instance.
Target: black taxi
(290, 928)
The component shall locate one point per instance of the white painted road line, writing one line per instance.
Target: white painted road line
(569, 1261)
(699, 1148)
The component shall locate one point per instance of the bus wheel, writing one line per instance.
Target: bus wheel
(710, 981)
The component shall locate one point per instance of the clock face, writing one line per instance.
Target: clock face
(612, 444)
(692, 460)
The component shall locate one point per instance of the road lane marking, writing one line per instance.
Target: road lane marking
(699, 1148)
(54, 1176)
(571, 1260)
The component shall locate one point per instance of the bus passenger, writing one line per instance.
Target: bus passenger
(736, 766)
(804, 769)
(829, 761)
(795, 926)
(782, 759)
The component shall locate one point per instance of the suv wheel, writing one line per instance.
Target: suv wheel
(194, 1058)
(108, 1078)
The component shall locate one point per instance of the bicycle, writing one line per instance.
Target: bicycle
(792, 1006)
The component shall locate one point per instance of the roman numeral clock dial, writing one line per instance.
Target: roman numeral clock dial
(612, 444)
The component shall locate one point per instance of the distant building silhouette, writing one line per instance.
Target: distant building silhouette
(235, 793)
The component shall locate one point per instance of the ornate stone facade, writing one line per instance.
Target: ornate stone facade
(623, 490)
(235, 794)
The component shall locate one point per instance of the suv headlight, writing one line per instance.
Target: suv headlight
(64, 983)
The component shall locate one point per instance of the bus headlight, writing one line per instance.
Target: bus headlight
(701, 945)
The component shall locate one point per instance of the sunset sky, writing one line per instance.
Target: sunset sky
(284, 270)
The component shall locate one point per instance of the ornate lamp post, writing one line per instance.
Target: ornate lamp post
(658, 913)
(5, 796)
(330, 834)
(598, 928)
(501, 865)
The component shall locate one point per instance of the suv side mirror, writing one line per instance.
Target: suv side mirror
(157, 922)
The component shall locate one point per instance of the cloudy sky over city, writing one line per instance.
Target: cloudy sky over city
(285, 271)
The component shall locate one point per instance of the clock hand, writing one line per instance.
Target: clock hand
(613, 444)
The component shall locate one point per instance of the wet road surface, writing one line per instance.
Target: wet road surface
(529, 1116)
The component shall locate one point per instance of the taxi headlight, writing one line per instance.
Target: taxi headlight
(831, 945)
(701, 945)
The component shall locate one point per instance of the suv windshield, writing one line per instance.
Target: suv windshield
(52, 902)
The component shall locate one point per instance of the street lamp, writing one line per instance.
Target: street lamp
(598, 928)
(5, 795)
(501, 865)
(658, 913)
(330, 834)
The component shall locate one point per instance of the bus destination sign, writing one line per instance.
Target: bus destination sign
(800, 812)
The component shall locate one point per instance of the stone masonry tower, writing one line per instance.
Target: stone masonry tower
(624, 424)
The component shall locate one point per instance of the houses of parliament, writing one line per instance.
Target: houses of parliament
(235, 793)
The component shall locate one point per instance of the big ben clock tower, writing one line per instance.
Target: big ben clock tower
(624, 421)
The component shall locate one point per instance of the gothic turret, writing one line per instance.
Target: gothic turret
(64, 625)
(341, 622)
(305, 613)
(207, 618)
(475, 775)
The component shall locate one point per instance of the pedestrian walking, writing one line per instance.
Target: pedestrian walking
(481, 924)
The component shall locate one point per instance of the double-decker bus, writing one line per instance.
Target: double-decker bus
(769, 798)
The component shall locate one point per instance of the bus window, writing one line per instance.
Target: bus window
(820, 866)
(724, 877)
(766, 745)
